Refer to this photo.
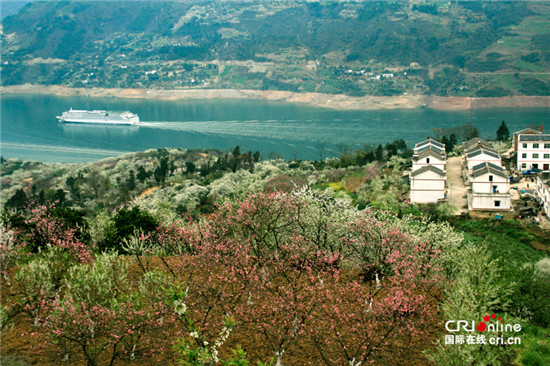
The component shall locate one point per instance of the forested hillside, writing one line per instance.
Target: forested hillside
(206, 258)
(357, 48)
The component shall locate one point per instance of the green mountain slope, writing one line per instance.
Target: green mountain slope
(357, 48)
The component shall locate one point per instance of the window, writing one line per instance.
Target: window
(497, 203)
(525, 146)
(524, 156)
(547, 146)
(547, 156)
(535, 156)
(427, 160)
(490, 178)
(535, 146)
(524, 166)
(536, 166)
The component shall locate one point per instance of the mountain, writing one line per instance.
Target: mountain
(9, 7)
(357, 48)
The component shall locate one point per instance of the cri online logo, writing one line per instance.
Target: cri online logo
(490, 323)
(482, 326)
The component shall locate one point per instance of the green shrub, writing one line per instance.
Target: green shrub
(124, 225)
(532, 358)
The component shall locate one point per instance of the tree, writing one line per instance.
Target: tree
(470, 132)
(142, 174)
(190, 167)
(125, 224)
(320, 146)
(391, 149)
(95, 179)
(102, 318)
(379, 153)
(452, 141)
(60, 196)
(161, 171)
(503, 133)
(445, 141)
(131, 180)
(18, 200)
(256, 156)
(449, 142)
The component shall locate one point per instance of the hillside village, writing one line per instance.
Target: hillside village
(481, 183)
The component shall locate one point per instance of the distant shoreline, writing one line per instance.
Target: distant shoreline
(332, 101)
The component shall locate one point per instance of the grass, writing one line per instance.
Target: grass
(226, 71)
(535, 347)
(532, 26)
(239, 79)
(528, 66)
(13, 361)
(507, 239)
(508, 81)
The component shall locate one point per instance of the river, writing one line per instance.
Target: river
(30, 130)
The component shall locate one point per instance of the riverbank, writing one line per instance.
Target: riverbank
(333, 101)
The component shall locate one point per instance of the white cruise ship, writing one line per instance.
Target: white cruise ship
(99, 117)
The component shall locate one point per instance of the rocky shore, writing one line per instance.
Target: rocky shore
(333, 101)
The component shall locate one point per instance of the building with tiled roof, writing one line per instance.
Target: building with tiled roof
(542, 191)
(489, 188)
(481, 155)
(428, 184)
(429, 157)
(525, 131)
(533, 151)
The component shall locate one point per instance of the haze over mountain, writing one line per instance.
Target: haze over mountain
(357, 48)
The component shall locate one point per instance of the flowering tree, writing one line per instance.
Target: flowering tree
(100, 317)
(286, 251)
(296, 269)
(40, 229)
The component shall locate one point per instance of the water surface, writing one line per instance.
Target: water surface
(31, 131)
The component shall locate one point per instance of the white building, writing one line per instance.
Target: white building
(480, 155)
(489, 188)
(533, 152)
(525, 131)
(431, 157)
(427, 184)
(542, 191)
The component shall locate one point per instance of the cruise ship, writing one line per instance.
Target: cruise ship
(99, 117)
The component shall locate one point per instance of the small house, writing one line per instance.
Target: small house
(427, 184)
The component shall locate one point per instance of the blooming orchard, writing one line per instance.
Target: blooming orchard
(297, 270)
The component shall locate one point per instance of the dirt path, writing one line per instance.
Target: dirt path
(456, 190)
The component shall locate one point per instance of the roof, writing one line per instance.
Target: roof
(528, 131)
(477, 147)
(489, 164)
(426, 168)
(489, 168)
(429, 152)
(441, 150)
(482, 151)
(476, 141)
(545, 178)
(430, 142)
(534, 138)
